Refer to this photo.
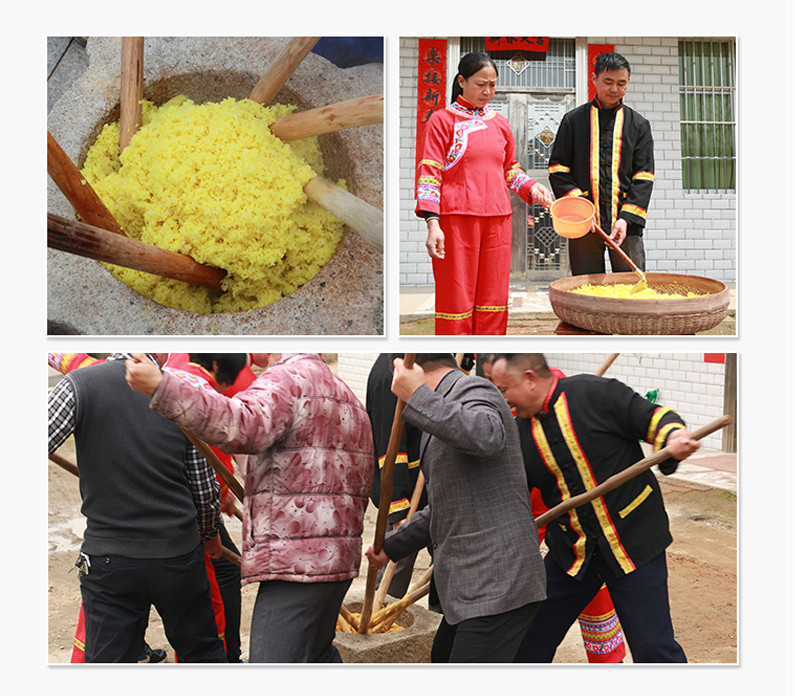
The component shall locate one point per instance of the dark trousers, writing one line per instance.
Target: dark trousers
(118, 593)
(587, 254)
(296, 621)
(640, 599)
(491, 639)
(227, 575)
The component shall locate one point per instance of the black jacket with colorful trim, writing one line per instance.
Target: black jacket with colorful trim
(588, 430)
(381, 403)
(606, 155)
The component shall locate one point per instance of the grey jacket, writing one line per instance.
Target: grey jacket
(478, 519)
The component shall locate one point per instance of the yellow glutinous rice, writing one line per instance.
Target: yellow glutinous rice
(211, 181)
(624, 291)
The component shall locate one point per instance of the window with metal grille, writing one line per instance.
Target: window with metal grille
(707, 78)
(556, 70)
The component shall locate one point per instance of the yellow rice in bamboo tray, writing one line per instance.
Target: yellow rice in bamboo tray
(211, 181)
(624, 291)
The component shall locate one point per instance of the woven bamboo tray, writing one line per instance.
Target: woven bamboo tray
(610, 315)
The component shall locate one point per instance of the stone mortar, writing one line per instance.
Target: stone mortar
(344, 298)
(412, 645)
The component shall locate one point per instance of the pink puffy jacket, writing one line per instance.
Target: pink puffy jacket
(308, 483)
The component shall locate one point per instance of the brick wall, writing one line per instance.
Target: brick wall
(691, 387)
(354, 369)
(693, 233)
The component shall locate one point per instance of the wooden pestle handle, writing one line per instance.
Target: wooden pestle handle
(64, 463)
(364, 219)
(389, 572)
(283, 66)
(606, 364)
(213, 460)
(102, 245)
(77, 190)
(384, 501)
(619, 251)
(132, 88)
(230, 556)
(623, 476)
(364, 111)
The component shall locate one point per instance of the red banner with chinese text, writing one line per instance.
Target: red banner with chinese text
(719, 358)
(593, 51)
(535, 44)
(431, 83)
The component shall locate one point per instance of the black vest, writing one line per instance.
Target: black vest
(133, 480)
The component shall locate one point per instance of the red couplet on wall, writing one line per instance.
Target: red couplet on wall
(431, 82)
(534, 44)
(719, 358)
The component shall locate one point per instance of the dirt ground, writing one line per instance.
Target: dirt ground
(545, 325)
(702, 564)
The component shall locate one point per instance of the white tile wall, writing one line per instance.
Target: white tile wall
(692, 233)
(691, 387)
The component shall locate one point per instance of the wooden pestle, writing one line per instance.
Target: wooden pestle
(363, 111)
(385, 499)
(364, 219)
(623, 476)
(77, 190)
(132, 88)
(282, 67)
(102, 245)
(64, 463)
(213, 460)
(389, 572)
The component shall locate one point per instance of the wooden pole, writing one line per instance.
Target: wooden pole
(102, 245)
(364, 219)
(283, 66)
(386, 578)
(132, 88)
(230, 556)
(606, 364)
(385, 499)
(64, 463)
(623, 476)
(77, 190)
(212, 459)
(364, 111)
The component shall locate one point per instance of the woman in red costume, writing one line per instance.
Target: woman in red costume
(466, 168)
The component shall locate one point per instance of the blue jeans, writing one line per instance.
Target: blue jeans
(640, 599)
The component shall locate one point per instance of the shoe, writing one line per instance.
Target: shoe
(152, 656)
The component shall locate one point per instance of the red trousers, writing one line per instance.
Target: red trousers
(472, 279)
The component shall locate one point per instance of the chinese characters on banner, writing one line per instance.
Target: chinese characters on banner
(593, 51)
(534, 44)
(431, 82)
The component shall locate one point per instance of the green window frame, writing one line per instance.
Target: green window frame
(707, 100)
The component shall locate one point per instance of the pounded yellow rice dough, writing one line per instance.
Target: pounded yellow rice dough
(212, 181)
(624, 291)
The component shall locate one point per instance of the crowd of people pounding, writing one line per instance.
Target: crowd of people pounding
(492, 451)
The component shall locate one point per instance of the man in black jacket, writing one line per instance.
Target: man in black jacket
(604, 151)
(576, 432)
